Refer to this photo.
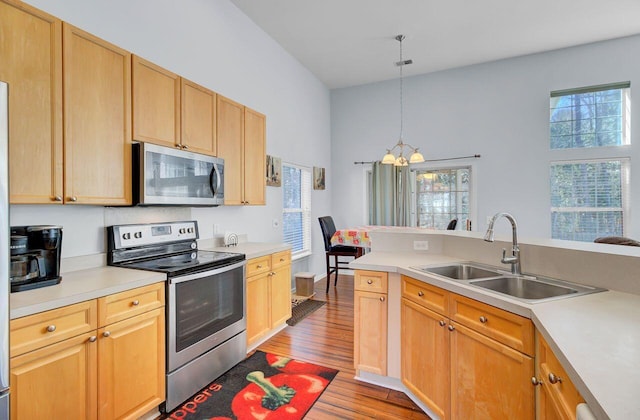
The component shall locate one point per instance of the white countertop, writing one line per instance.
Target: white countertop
(596, 337)
(91, 283)
(79, 286)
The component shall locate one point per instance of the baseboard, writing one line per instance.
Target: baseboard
(273, 332)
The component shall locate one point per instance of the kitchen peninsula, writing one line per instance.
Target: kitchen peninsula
(595, 337)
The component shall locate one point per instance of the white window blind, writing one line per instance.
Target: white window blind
(588, 199)
(296, 209)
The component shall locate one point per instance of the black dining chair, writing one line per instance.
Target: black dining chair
(337, 251)
(452, 224)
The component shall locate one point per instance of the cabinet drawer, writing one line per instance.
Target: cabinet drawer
(258, 265)
(510, 329)
(371, 281)
(280, 259)
(123, 305)
(564, 395)
(426, 295)
(39, 330)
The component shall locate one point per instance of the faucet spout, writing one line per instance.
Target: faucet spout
(514, 259)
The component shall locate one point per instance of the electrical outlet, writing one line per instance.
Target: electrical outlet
(421, 245)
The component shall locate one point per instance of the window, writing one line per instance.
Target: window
(442, 195)
(589, 188)
(296, 209)
(590, 117)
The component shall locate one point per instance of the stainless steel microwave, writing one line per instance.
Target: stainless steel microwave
(175, 177)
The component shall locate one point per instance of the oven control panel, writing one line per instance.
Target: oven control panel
(129, 236)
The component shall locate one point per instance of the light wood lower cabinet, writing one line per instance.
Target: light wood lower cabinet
(268, 294)
(557, 395)
(65, 364)
(370, 321)
(464, 359)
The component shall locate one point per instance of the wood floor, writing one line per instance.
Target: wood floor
(325, 337)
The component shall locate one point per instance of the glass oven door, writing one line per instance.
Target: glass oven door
(205, 309)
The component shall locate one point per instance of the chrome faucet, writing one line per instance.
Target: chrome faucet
(514, 259)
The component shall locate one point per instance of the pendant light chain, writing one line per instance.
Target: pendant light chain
(400, 38)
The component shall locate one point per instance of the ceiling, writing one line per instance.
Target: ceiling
(352, 42)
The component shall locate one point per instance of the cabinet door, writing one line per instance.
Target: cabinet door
(280, 295)
(488, 379)
(425, 356)
(258, 320)
(131, 366)
(56, 382)
(156, 104)
(31, 57)
(198, 118)
(254, 157)
(230, 134)
(370, 332)
(97, 123)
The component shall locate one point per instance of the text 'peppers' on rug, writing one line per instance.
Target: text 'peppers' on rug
(263, 386)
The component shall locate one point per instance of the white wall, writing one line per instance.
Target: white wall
(215, 45)
(499, 110)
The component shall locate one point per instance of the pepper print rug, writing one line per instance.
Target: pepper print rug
(264, 386)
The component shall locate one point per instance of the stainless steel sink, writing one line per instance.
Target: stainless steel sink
(534, 289)
(528, 288)
(463, 271)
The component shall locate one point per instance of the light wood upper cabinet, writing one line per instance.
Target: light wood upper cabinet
(31, 57)
(230, 135)
(156, 104)
(198, 118)
(242, 144)
(97, 126)
(254, 157)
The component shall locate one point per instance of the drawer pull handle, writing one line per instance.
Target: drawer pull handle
(535, 381)
(451, 327)
(420, 293)
(135, 302)
(92, 339)
(381, 298)
(554, 379)
(106, 334)
(369, 281)
(442, 323)
(51, 328)
(483, 319)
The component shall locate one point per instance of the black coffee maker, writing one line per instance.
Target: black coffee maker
(35, 256)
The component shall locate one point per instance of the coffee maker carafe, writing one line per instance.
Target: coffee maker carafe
(35, 256)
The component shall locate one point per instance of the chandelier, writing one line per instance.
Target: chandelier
(401, 160)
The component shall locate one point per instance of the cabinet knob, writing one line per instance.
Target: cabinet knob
(185, 147)
(451, 327)
(483, 319)
(57, 198)
(369, 281)
(259, 266)
(73, 198)
(554, 379)
(281, 259)
(535, 381)
(92, 339)
(273, 273)
(106, 334)
(51, 328)
(442, 323)
(178, 146)
(382, 299)
(135, 302)
(420, 293)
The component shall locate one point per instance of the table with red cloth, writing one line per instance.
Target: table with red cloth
(358, 236)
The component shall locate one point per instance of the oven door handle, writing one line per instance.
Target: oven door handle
(189, 277)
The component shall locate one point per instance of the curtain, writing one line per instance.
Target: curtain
(390, 201)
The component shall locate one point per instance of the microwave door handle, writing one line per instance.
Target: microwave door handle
(214, 172)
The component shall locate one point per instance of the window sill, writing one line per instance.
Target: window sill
(300, 255)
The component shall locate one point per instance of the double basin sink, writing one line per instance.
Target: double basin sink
(531, 289)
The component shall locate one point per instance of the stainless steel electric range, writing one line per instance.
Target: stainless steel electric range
(205, 300)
